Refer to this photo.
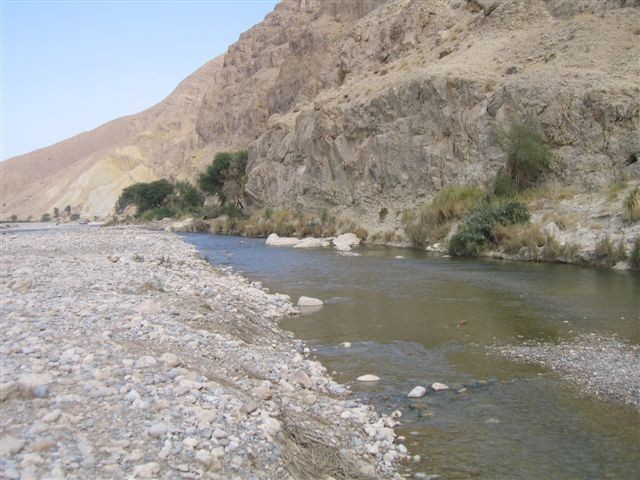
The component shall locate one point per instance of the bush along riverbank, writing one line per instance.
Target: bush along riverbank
(522, 215)
(126, 355)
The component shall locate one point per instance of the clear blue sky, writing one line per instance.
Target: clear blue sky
(69, 66)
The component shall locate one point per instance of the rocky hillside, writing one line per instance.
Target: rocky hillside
(367, 104)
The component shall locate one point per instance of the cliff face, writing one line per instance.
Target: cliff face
(370, 103)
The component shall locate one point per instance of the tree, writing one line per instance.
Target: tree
(68, 209)
(146, 196)
(56, 213)
(14, 218)
(45, 217)
(225, 176)
(185, 196)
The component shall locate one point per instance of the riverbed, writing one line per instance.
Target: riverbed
(418, 320)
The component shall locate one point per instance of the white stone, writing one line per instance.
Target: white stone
(52, 416)
(274, 240)
(171, 360)
(146, 470)
(417, 392)
(309, 302)
(345, 241)
(157, 429)
(31, 381)
(368, 378)
(149, 308)
(438, 387)
(311, 242)
(346, 344)
(10, 446)
(190, 442)
(145, 361)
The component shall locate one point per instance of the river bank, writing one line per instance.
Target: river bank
(125, 354)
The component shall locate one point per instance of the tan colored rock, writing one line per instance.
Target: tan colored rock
(370, 104)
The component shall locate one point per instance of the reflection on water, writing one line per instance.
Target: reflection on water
(418, 320)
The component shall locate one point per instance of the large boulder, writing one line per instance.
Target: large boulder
(345, 241)
(309, 302)
(274, 240)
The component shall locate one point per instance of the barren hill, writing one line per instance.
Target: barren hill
(371, 103)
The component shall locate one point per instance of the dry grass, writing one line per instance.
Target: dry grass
(608, 254)
(309, 456)
(564, 222)
(536, 197)
(632, 206)
(615, 189)
(513, 238)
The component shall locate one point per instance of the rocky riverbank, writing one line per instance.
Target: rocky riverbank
(126, 355)
(603, 367)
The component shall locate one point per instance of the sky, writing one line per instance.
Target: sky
(70, 66)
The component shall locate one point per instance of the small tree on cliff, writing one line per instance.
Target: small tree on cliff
(528, 153)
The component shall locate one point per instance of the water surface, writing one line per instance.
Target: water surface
(418, 320)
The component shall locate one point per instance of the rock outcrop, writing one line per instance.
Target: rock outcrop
(366, 104)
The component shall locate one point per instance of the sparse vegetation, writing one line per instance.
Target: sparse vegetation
(528, 154)
(432, 222)
(634, 257)
(632, 206)
(608, 254)
(477, 231)
(382, 214)
(45, 217)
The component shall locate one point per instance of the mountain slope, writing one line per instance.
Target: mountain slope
(371, 103)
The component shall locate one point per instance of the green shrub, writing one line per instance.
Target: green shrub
(634, 257)
(632, 206)
(528, 154)
(504, 186)
(382, 214)
(477, 231)
(159, 213)
(467, 243)
(45, 217)
(431, 223)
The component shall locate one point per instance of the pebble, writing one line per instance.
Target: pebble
(417, 392)
(157, 430)
(105, 375)
(368, 378)
(10, 445)
(439, 387)
(52, 416)
(146, 470)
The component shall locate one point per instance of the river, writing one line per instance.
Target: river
(418, 320)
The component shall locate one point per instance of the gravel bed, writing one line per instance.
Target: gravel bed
(125, 355)
(602, 366)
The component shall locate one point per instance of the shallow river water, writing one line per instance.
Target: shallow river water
(419, 320)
